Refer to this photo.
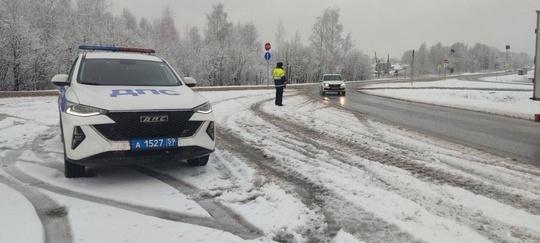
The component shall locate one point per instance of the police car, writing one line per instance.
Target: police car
(121, 105)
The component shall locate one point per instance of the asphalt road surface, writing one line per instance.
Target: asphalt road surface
(513, 138)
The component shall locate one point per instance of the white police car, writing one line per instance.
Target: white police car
(124, 106)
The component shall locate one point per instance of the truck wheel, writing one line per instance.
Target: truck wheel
(202, 161)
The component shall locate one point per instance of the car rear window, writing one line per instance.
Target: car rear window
(331, 77)
(126, 72)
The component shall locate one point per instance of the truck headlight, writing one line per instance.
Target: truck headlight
(83, 110)
(343, 85)
(204, 108)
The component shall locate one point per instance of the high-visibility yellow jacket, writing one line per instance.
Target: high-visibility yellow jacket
(279, 77)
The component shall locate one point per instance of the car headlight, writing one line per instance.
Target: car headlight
(83, 110)
(343, 85)
(326, 85)
(204, 108)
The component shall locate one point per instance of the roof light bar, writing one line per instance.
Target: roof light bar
(116, 48)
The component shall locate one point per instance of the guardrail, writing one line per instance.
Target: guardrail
(7, 94)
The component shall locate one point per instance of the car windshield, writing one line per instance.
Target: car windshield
(126, 72)
(331, 78)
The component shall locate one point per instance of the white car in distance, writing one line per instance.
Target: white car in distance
(332, 83)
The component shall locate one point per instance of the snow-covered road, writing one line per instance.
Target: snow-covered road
(305, 172)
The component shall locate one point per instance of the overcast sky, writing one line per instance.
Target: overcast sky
(385, 26)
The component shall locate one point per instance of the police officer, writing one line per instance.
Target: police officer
(280, 81)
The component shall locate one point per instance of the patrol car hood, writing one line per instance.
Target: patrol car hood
(121, 98)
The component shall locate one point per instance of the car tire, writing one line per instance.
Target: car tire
(61, 130)
(72, 170)
(202, 161)
(343, 93)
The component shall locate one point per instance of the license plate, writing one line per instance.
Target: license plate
(153, 143)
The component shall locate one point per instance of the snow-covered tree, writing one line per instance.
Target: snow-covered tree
(327, 41)
(18, 39)
(218, 34)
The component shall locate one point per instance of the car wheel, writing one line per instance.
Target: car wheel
(343, 93)
(202, 161)
(72, 170)
(61, 130)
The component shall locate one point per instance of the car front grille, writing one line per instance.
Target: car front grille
(128, 125)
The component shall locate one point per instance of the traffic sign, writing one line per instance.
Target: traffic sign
(267, 47)
(267, 56)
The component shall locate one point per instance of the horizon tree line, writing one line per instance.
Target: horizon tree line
(39, 39)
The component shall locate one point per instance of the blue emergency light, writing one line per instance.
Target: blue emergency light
(116, 49)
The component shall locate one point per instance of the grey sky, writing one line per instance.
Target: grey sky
(385, 26)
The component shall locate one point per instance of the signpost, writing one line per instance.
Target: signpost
(536, 78)
(507, 65)
(445, 66)
(267, 57)
(412, 68)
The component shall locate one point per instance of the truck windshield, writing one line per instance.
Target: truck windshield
(126, 72)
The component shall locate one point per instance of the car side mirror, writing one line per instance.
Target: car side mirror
(190, 82)
(60, 80)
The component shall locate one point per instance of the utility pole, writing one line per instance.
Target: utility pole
(412, 68)
(377, 66)
(452, 67)
(536, 93)
(507, 65)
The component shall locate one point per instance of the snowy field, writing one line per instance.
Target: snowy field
(305, 172)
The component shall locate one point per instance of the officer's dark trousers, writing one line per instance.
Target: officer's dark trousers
(279, 95)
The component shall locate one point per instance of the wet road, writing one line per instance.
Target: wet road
(513, 138)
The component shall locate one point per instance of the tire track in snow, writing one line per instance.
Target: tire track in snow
(486, 167)
(228, 141)
(224, 220)
(148, 211)
(317, 192)
(418, 170)
(53, 216)
(306, 190)
(227, 219)
(363, 224)
(432, 174)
